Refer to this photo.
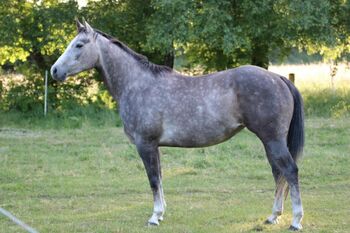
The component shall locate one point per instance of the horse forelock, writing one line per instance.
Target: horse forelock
(143, 60)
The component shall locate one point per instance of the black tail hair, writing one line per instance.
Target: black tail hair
(296, 138)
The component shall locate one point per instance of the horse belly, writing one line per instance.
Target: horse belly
(204, 117)
(198, 135)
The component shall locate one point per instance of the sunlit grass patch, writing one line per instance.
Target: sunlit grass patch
(321, 98)
(315, 76)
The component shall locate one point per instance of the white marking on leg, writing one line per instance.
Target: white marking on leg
(159, 206)
(158, 209)
(297, 207)
(277, 208)
(163, 201)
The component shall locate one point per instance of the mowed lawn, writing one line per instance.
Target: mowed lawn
(91, 180)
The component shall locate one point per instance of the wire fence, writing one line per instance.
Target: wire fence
(26, 93)
(17, 221)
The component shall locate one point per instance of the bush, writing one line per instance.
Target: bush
(327, 102)
(70, 104)
(25, 93)
(23, 96)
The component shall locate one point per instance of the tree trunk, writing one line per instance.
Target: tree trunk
(259, 55)
(168, 59)
(38, 59)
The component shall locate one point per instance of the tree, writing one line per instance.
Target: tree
(338, 47)
(11, 42)
(217, 34)
(225, 33)
(128, 20)
(38, 31)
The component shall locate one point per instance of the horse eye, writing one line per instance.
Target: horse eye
(79, 45)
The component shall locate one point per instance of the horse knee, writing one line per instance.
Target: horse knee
(291, 169)
(290, 172)
(294, 169)
(281, 160)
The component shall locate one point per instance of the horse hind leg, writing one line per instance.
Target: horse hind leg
(280, 157)
(280, 194)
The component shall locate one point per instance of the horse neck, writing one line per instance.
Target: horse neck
(119, 70)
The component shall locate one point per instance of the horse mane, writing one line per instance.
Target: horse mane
(143, 60)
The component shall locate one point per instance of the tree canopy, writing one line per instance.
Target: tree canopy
(215, 34)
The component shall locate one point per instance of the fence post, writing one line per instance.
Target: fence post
(291, 77)
(1, 89)
(45, 99)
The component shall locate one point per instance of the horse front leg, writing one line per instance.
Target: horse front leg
(149, 153)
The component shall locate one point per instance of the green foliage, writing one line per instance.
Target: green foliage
(36, 32)
(127, 20)
(25, 96)
(341, 109)
(295, 57)
(216, 34)
(212, 34)
(327, 102)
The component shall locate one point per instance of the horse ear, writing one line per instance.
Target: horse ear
(80, 26)
(88, 28)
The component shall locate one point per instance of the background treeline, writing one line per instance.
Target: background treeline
(195, 36)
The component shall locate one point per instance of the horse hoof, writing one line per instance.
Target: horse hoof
(272, 221)
(153, 224)
(293, 228)
(268, 222)
(153, 221)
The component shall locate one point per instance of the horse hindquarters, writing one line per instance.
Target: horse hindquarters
(295, 143)
(283, 161)
(272, 109)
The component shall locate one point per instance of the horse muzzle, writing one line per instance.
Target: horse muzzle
(57, 74)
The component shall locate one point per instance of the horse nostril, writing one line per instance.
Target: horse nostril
(55, 70)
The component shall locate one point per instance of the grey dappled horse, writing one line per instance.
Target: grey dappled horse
(160, 107)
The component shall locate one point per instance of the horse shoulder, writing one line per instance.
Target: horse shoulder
(140, 114)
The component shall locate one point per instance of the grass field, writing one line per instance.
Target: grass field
(315, 76)
(314, 82)
(77, 172)
(90, 179)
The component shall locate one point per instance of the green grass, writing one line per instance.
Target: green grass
(326, 102)
(75, 118)
(314, 82)
(90, 179)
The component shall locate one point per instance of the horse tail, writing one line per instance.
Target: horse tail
(295, 139)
